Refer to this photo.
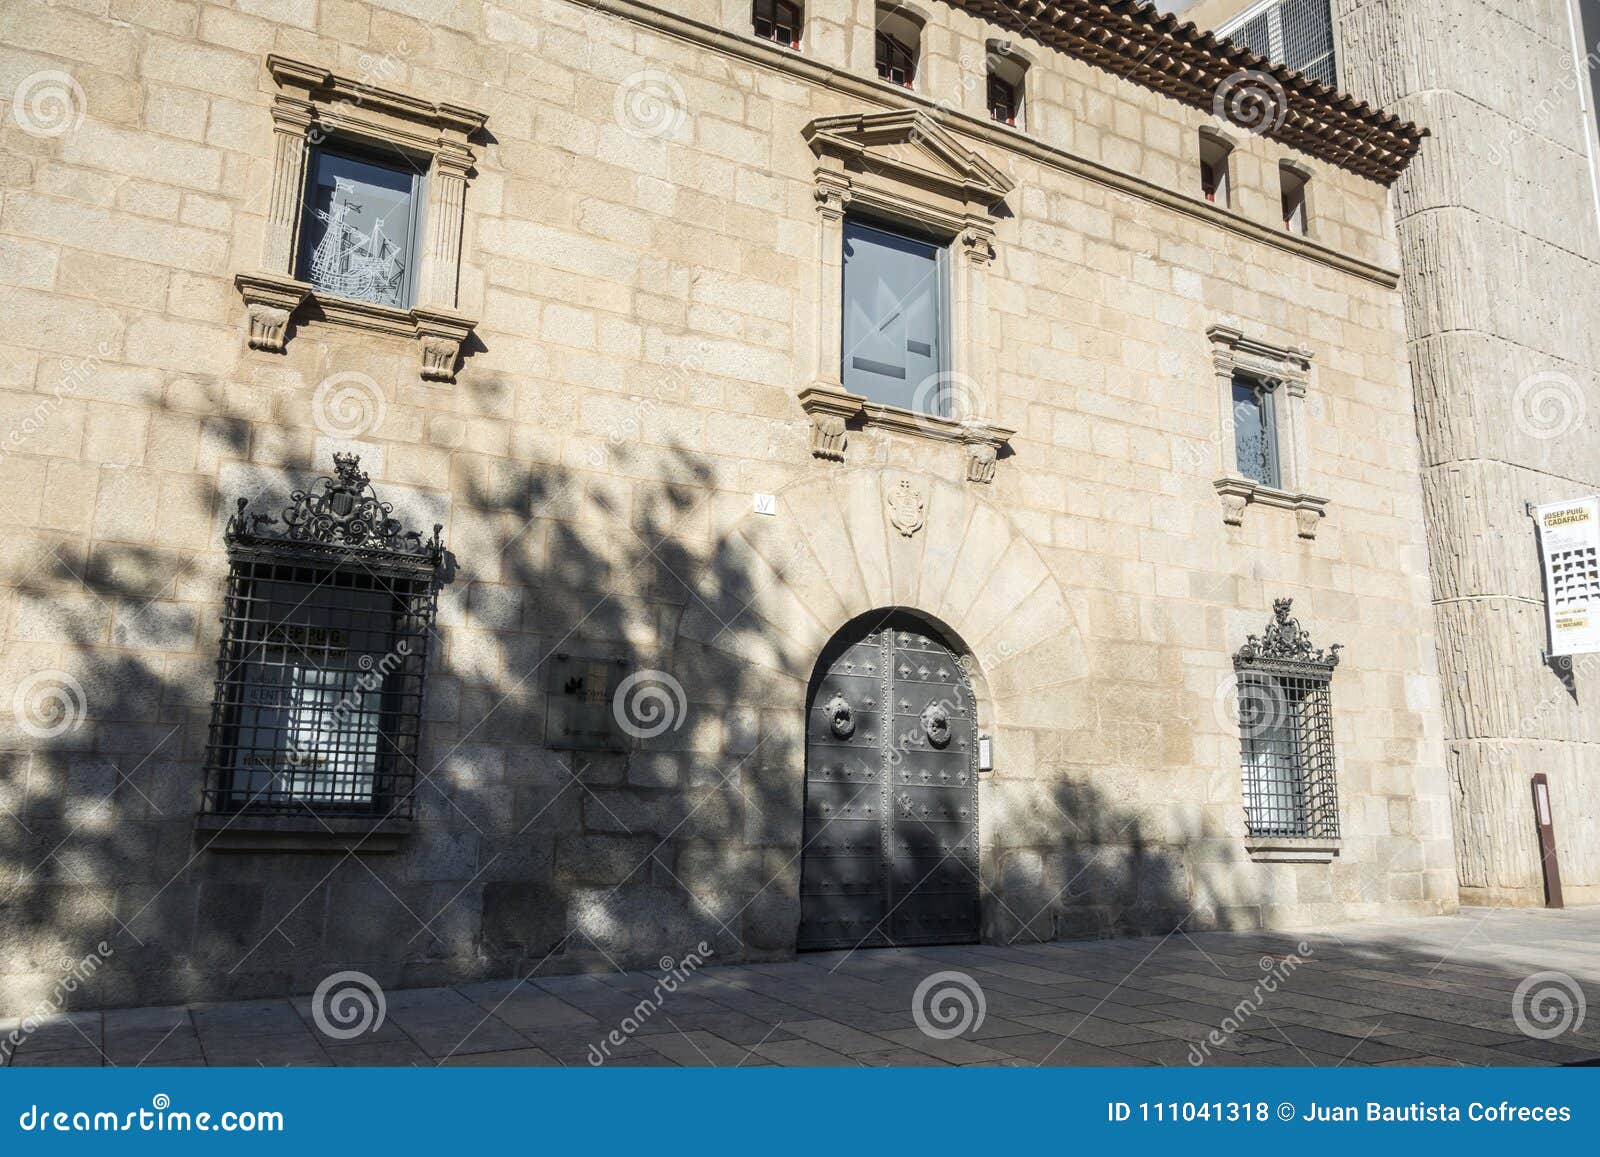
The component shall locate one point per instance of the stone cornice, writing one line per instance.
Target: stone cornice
(760, 53)
(334, 89)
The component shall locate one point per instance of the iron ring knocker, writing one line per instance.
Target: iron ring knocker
(841, 717)
(936, 724)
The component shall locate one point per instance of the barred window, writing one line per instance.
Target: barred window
(1286, 732)
(324, 648)
(1298, 33)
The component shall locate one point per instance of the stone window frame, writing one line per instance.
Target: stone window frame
(314, 106)
(904, 168)
(1288, 371)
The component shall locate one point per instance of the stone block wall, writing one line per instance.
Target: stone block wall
(640, 252)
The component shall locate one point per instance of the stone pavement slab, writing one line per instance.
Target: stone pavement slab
(1416, 992)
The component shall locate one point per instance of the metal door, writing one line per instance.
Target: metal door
(891, 812)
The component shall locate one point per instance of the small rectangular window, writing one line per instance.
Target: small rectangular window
(778, 21)
(360, 226)
(895, 344)
(896, 40)
(1214, 158)
(1293, 184)
(1255, 432)
(1002, 100)
(895, 62)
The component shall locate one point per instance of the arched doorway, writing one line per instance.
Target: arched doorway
(891, 794)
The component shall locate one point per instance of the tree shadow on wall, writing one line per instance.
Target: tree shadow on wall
(525, 857)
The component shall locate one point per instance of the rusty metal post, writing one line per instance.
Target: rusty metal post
(1547, 841)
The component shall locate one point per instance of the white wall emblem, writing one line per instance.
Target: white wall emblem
(905, 507)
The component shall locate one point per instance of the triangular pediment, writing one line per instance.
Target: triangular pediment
(913, 144)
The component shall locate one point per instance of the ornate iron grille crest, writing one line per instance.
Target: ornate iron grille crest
(336, 513)
(1285, 641)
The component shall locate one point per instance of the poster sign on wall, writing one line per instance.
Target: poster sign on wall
(1569, 535)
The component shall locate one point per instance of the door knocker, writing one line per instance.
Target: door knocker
(936, 724)
(840, 716)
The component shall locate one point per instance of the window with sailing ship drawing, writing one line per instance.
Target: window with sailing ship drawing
(359, 233)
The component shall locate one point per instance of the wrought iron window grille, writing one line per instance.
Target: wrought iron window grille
(326, 623)
(1286, 731)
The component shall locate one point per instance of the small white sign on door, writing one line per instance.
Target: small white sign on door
(1569, 536)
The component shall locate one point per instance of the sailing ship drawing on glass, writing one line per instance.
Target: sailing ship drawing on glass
(354, 263)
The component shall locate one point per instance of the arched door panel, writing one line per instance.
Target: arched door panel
(890, 853)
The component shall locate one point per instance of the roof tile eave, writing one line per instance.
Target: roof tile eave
(1128, 35)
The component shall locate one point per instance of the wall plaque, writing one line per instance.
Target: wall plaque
(1569, 535)
(579, 716)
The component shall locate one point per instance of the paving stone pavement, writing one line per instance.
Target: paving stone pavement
(1415, 992)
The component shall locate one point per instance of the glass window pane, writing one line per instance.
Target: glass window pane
(1255, 439)
(893, 319)
(358, 229)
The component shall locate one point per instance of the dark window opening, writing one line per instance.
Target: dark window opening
(896, 62)
(778, 21)
(1293, 185)
(1002, 100)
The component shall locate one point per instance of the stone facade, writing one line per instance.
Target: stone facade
(1499, 225)
(646, 269)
